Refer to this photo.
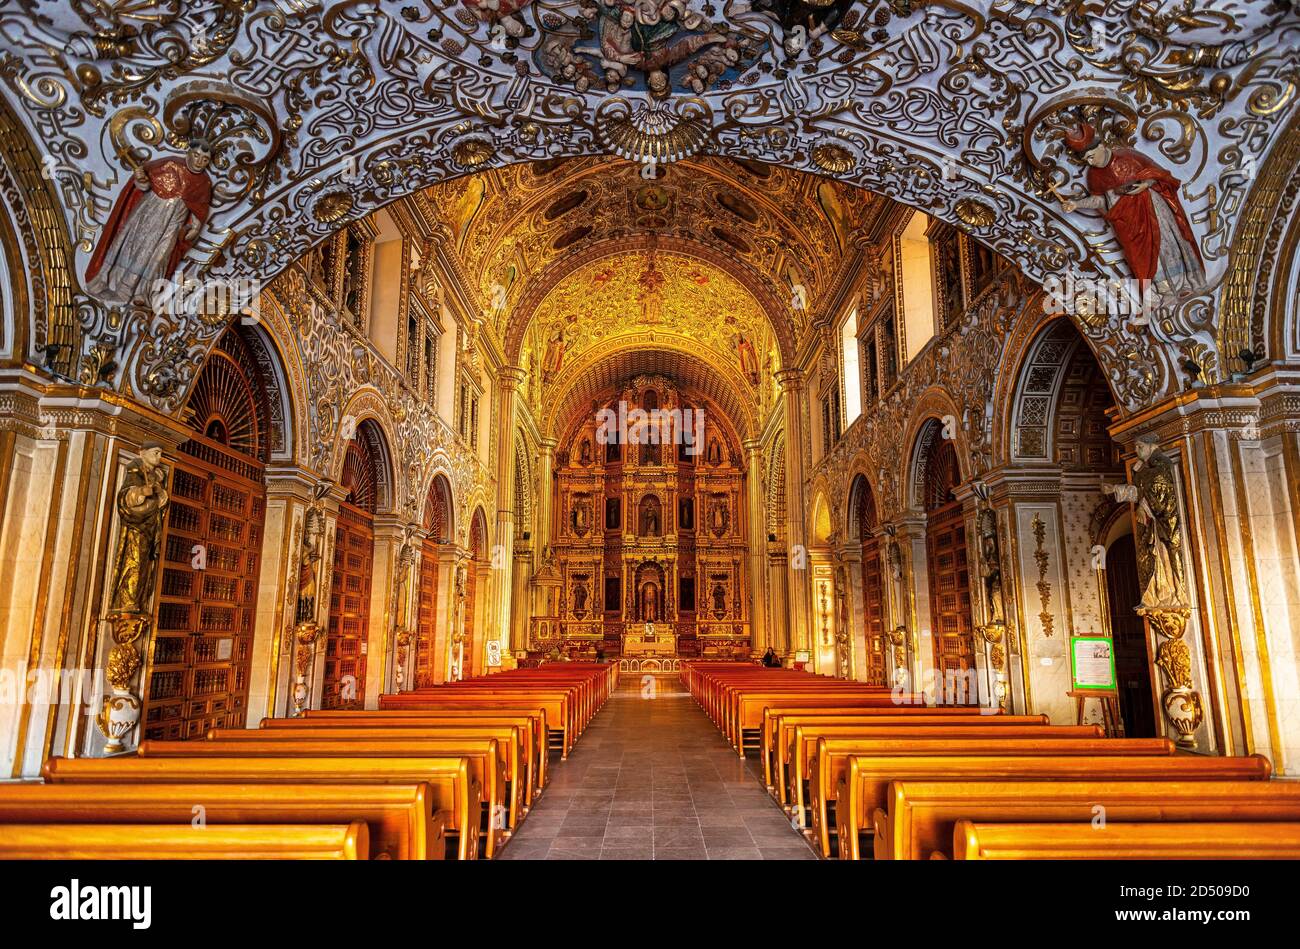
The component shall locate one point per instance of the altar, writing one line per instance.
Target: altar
(650, 639)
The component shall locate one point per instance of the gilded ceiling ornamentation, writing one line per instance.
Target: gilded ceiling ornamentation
(381, 97)
(624, 295)
(791, 229)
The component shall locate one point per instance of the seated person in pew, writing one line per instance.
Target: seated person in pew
(863, 789)
(455, 789)
(171, 842)
(920, 816)
(402, 822)
(1192, 841)
(484, 755)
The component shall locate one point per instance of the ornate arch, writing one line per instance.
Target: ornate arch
(438, 517)
(862, 512)
(368, 410)
(478, 541)
(773, 309)
(1257, 305)
(934, 412)
(41, 292)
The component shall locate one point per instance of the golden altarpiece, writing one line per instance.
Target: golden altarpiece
(649, 560)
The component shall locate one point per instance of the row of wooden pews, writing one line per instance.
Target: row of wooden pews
(867, 772)
(445, 771)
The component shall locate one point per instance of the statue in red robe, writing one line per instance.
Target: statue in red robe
(1140, 200)
(156, 220)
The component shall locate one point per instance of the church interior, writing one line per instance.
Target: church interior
(803, 429)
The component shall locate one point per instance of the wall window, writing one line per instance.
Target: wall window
(917, 272)
(851, 371)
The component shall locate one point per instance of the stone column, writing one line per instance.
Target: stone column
(849, 557)
(275, 646)
(914, 602)
(757, 547)
(508, 380)
(445, 612)
(799, 603)
(380, 639)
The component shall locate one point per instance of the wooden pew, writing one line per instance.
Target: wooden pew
(455, 790)
(810, 788)
(485, 757)
(794, 762)
(508, 737)
(172, 842)
(744, 710)
(779, 720)
(828, 766)
(400, 817)
(531, 721)
(920, 816)
(1193, 841)
(864, 787)
(562, 730)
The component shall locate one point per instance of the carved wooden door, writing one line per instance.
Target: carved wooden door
(349, 624)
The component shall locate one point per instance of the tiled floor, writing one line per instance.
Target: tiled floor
(652, 778)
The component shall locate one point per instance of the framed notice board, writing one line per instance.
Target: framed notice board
(1092, 664)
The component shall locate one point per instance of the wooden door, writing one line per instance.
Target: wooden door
(426, 633)
(874, 612)
(950, 611)
(349, 623)
(200, 653)
(1132, 663)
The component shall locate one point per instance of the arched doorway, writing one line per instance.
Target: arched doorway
(354, 546)
(948, 568)
(866, 523)
(437, 527)
(212, 547)
(1132, 667)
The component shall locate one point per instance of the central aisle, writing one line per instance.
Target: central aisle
(652, 778)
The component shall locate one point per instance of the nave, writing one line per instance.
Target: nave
(653, 779)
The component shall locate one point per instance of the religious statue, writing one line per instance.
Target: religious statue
(580, 517)
(650, 522)
(1140, 201)
(719, 517)
(313, 544)
(405, 560)
(714, 456)
(584, 452)
(991, 564)
(686, 516)
(554, 358)
(719, 599)
(649, 603)
(155, 222)
(141, 501)
(1159, 534)
(842, 621)
(748, 359)
(894, 556)
(580, 600)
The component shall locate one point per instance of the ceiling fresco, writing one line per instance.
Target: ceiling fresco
(790, 230)
(321, 111)
(654, 300)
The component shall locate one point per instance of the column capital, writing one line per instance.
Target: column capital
(511, 377)
(790, 380)
(550, 444)
(751, 445)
